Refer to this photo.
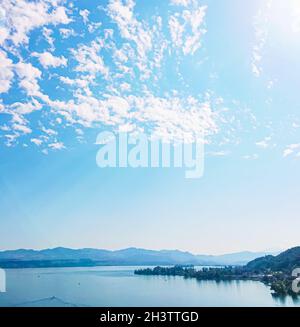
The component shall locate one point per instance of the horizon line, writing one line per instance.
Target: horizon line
(146, 249)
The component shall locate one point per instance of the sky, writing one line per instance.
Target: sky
(175, 69)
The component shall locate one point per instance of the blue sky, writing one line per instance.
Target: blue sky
(227, 70)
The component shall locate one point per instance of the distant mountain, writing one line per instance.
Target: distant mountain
(239, 258)
(65, 257)
(285, 261)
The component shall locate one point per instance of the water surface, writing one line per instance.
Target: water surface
(118, 286)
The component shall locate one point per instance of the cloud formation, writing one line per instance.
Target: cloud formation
(99, 75)
(64, 67)
(47, 59)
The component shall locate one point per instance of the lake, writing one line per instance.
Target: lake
(118, 286)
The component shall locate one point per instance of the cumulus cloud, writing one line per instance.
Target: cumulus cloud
(25, 108)
(81, 83)
(29, 76)
(48, 60)
(3, 35)
(21, 17)
(6, 72)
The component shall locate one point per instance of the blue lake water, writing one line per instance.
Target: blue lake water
(118, 286)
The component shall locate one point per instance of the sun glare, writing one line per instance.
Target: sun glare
(286, 15)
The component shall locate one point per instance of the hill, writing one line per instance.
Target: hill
(65, 257)
(285, 261)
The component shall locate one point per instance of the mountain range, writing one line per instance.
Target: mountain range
(66, 257)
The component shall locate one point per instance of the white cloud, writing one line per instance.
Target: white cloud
(36, 141)
(176, 30)
(67, 32)
(81, 83)
(133, 30)
(18, 122)
(187, 29)
(11, 139)
(3, 35)
(25, 108)
(171, 118)
(56, 146)
(265, 143)
(29, 76)
(287, 152)
(85, 15)
(49, 131)
(195, 19)
(89, 60)
(6, 72)
(92, 27)
(21, 128)
(261, 31)
(116, 101)
(183, 3)
(48, 60)
(290, 149)
(22, 16)
(47, 33)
